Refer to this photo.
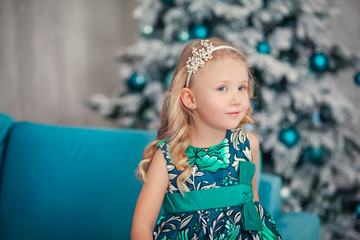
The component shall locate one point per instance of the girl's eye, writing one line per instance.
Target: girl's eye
(242, 88)
(221, 89)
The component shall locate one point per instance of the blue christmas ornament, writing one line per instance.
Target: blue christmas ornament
(357, 78)
(289, 136)
(168, 77)
(199, 30)
(263, 47)
(314, 154)
(319, 62)
(136, 82)
(183, 35)
(358, 211)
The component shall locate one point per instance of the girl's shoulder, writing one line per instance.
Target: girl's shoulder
(253, 139)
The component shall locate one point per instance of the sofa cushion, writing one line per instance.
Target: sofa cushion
(58, 181)
(299, 226)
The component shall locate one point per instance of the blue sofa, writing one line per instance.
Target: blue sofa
(69, 182)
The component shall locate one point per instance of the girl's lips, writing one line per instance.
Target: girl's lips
(233, 114)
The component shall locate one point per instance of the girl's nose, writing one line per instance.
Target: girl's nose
(235, 100)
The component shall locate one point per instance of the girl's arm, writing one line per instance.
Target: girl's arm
(254, 146)
(150, 199)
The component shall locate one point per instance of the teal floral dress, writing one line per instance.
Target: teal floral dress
(212, 167)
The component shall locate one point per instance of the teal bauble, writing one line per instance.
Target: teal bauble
(319, 62)
(183, 35)
(263, 47)
(358, 211)
(289, 136)
(199, 30)
(136, 82)
(168, 77)
(314, 154)
(357, 78)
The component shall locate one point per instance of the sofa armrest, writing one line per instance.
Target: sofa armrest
(269, 193)
(6, 122)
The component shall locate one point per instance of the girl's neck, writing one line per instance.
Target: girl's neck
(203, 137)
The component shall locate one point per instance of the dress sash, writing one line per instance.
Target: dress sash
(221, 197)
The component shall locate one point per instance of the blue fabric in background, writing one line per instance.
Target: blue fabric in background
(62, 182)
(65, 171)
(5, 124)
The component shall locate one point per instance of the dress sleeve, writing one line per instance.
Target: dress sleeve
(247, 147)
(241, 143)
(163, 145)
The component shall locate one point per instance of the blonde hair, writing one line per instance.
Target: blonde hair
(177, 121)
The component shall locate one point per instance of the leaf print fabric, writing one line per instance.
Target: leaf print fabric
(212, 167)
(211, 159)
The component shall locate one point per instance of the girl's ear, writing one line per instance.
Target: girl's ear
(187, 97)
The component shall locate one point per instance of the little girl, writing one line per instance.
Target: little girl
(202, 165)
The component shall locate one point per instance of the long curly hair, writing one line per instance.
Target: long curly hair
(177, 121)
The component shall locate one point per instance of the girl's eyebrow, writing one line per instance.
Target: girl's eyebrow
(241, 82)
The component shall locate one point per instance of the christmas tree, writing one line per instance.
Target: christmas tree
(301, 118)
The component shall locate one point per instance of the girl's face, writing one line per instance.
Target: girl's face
(220, 94)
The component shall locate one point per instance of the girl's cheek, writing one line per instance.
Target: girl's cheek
(247, 103)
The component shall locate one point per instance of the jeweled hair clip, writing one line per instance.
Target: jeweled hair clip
(200, 56)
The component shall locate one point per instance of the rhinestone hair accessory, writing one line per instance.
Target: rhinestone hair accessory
(200, 56)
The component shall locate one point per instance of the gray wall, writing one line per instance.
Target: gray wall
(54, 54)
(346, 30)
